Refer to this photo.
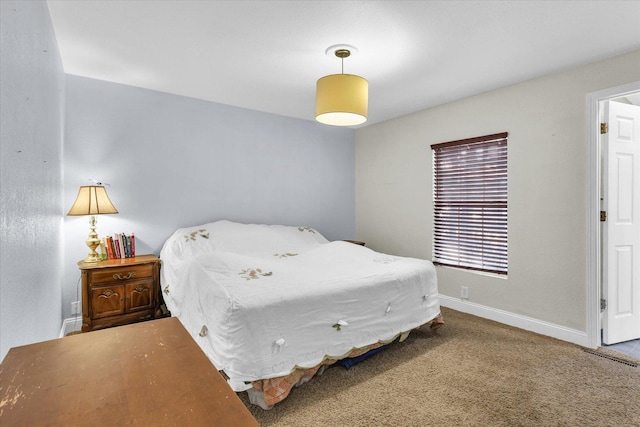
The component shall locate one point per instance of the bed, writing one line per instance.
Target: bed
(272, 305)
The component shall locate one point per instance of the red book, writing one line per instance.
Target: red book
(133, 245)
(109, 245)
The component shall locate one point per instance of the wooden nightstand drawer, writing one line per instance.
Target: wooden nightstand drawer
(107, 301)
(133, 272)
(138, 296)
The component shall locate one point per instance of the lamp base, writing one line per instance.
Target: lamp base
(92, 257)
(93, 242)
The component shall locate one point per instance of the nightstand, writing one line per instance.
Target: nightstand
(120, 291)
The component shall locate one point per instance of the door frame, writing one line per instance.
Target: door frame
(594, 240)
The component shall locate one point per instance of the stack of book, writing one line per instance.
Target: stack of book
(120, 245)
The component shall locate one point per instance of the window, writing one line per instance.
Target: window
(470, 203)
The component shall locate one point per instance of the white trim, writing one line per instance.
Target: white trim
(594, 99)
(71, 324)
(516, 320)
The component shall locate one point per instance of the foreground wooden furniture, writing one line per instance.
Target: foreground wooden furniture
(120, 291)
(147, 374)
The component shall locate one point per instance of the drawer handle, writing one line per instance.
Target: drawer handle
(128, 276)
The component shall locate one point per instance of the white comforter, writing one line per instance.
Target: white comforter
(262, 300)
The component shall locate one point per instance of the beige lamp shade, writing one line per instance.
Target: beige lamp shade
(342, 100)
(92, 200)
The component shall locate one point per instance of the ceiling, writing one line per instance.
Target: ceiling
(268, 55)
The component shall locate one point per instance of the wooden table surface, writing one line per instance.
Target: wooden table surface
(150, 373)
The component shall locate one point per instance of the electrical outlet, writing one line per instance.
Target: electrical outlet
(464, 292)
(75, 307)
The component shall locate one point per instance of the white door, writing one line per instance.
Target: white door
(621, 230)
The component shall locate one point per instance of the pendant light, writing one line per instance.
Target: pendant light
(342, 99)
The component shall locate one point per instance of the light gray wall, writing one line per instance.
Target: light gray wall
(174, 162)
(31, 110)
(548, 187)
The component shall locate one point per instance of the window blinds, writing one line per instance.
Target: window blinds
(470, 203)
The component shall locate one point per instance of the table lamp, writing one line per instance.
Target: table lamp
(92, 200)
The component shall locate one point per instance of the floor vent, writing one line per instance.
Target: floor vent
(615, 359)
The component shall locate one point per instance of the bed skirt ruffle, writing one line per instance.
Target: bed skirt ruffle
(266, 393)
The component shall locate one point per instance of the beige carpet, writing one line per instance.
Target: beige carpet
(473, 372)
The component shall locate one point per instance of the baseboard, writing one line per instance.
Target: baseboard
(516, 320)
(71, 324)
(502, 316)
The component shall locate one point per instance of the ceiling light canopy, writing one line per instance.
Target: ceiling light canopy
(342, 99)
